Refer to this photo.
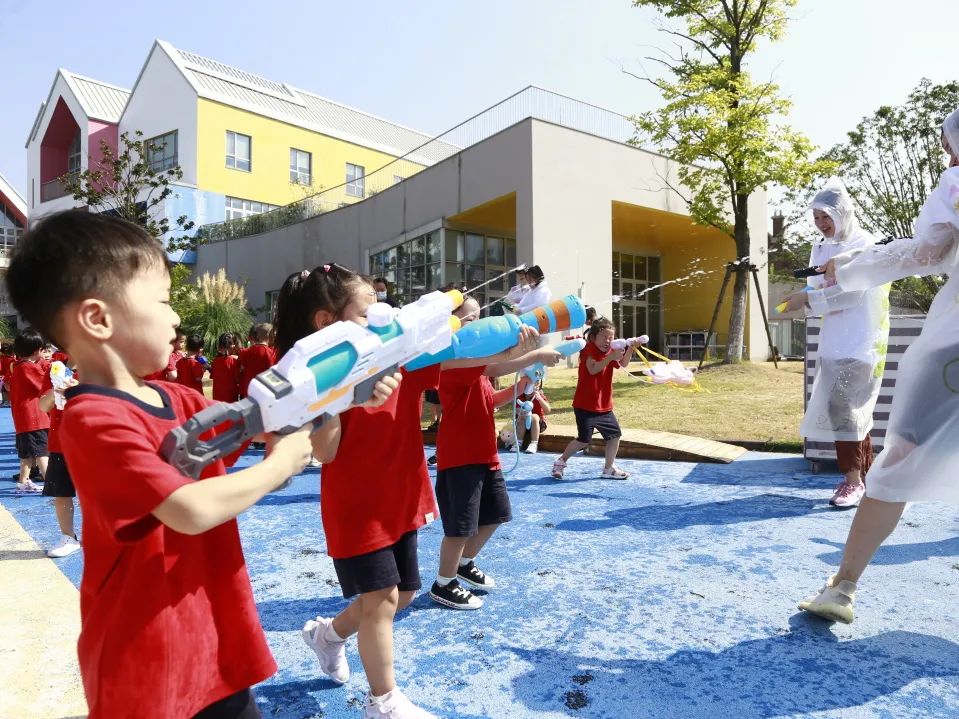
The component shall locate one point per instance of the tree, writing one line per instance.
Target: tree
(216, 306)
(724, 129)
(890, 163)
(125, 183)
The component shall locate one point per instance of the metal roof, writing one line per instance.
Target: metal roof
(238, 88)
(100, 100)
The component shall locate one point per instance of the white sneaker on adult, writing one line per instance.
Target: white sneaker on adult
(835, 601)
(332, 655)
(68, 546)
(849, 495)
(29, 487)
(393, 705)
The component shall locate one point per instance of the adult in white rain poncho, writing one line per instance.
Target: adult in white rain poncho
(919, 458)
(852, 345)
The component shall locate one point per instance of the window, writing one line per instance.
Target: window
(161, 152)
(639, 310)
(10, 231)
(355, 182)
(237, 208)
(239, 151)
(301, 164)
(73, 158)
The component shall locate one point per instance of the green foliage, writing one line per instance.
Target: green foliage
(124, 183)
(214, 305)
(725, 129)
(184, 292)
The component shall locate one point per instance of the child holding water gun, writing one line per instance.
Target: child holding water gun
(530, 403)
(593, 400)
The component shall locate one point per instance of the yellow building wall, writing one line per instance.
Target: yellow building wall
(269, 178)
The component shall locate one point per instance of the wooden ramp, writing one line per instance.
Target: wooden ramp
(642, 444)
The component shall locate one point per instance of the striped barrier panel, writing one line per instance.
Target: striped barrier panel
(903, 329)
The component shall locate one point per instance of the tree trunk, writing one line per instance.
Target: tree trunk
(737, 319)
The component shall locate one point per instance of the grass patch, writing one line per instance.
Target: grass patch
(748, 401)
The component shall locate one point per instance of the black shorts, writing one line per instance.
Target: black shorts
(470, 497)
(32, 444)
(58, 482)
(394, 566)
(603, 422)
(432, 396)
(241, 705)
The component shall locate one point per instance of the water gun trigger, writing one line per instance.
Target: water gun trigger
(183, 448)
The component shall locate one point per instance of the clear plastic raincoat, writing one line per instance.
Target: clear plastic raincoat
(920, 458)
(854, 334)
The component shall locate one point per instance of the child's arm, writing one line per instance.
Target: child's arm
(200, 506)
(528, 339)
(597, 366)
(627, 355)
(504, 396)
(547, 355)
(46, 401)
(543, 402)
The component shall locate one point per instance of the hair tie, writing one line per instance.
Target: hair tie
(327, 268)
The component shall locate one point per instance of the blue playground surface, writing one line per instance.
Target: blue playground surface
(670, 595)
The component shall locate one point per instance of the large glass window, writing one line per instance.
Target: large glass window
(237, 208)
(436, 259)
(301, 167)
(639, 310)
(161, 152)
(239, 151)
(74, 157)
(10, 231)
(355, 180)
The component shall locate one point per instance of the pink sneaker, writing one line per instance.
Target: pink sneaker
(848, 495)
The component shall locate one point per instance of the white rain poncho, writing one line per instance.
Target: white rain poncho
(854, 334)
(920, 456)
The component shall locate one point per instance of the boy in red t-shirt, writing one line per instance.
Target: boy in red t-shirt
(470, 488)
(225, 370)
(169, 626)
(532, 393)
(191, 368)
(258, 357)
(593, 399)
(30, 380)
(168, 373)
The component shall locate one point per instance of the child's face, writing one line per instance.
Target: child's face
(146, 324)
(355, 311)
(46, 354)
(824, 223)
(468, 311)
(179, 342)
(603, 339)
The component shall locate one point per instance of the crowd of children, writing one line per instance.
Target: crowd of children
(164, 573)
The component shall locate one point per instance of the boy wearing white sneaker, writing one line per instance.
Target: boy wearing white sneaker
(57, 483)
(29, 381)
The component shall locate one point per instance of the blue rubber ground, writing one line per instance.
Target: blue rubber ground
(669, 595)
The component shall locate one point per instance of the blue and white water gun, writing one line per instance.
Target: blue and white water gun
(537, 372)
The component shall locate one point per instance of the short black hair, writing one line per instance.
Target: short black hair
(225, 341)
(27, 342)
(381, 280)
(194, 343)
(6, 348)
(72, 255)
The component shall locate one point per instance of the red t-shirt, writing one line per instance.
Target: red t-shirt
(253, 360)
(29, 380)
(6, 368)
(168, 620)
(225, 373)
(189, 373)
(467, 433)
(378, 486)
(594, 392)
(166, 372)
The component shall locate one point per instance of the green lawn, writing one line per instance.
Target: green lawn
(748, 401)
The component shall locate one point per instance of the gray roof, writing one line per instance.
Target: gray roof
(238, 88)
(100, 100)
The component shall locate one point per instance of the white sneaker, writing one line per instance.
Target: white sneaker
(332, 655)
(531, 449)
(393, 705)
(28, 487)
(68, 546)
(848, 495)
(834, 602)
(314, 462)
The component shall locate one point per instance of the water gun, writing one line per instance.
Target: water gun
(622, 344)
(526, 407)
(537, 372)
(61, 377)
(781, 307)
(322, 375)
(491, 335)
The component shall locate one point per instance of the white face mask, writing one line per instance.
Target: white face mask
(381, 295)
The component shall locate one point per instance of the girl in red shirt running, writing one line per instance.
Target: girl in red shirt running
(593, 400)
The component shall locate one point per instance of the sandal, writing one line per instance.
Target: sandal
(558, 467)
(614, 473)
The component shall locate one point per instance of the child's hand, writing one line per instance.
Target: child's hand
(527, 342)
(291, 452)
(549, 357)
(383, 389)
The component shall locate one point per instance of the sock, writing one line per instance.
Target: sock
(466, 560)
(381, 698)
(443, 581)
(331, 635)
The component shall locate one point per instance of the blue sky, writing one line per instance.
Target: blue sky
(431, 63)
